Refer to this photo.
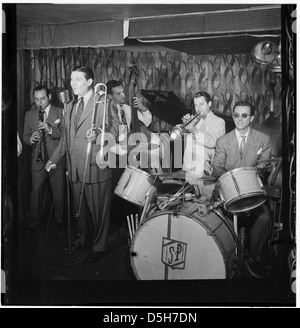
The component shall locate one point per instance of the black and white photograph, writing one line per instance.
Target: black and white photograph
(148, 156)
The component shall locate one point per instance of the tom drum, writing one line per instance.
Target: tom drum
(241, 190)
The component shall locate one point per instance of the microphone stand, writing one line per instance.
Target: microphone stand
(70, 256)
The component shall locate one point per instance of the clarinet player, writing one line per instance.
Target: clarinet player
(42, 131)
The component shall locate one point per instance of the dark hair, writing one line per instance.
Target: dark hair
(112, 84)
(203, 94)
(40, 88)
(244, 104)
(88, 73)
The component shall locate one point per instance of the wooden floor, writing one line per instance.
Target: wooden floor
(48, 272)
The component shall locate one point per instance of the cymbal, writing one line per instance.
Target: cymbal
(271, 160)
(181, 175)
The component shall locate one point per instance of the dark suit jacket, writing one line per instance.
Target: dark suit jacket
(227, 155)
(75, 142)
(31, 122)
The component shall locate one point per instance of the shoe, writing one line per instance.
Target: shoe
(256, 269)
(94, 257)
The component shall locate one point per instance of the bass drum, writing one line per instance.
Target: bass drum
(173, 245)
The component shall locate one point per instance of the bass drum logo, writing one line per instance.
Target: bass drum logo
(173, 253)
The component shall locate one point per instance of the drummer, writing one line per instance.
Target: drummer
(201, 144)
(244, 147)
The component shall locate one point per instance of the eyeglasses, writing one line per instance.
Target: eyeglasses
(244, 115)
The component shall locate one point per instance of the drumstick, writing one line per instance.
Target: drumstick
(129, 228)
(132, 224)
(136, 222)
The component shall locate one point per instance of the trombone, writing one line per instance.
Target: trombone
(100, 90)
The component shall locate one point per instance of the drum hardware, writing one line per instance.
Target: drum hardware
(149, 198)
(199, 208)
(175, 196)
(181, 175)
(271, 160)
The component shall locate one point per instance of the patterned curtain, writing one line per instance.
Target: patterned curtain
(227, 78)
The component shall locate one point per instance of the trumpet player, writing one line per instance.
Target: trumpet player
(201, 134)
(90, 184)
(42, 132)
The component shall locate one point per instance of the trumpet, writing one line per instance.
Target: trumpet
(178, 130)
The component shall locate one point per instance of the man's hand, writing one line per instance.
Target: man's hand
(35, 137)
(44, 126)
(49, 165)
(138, 104)
(91, 135)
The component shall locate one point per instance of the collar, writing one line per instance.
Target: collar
(86, 97)
(46, 110)
(238, 135)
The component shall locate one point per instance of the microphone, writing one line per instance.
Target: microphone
(64, 96)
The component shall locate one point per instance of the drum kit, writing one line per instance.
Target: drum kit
(183, 236)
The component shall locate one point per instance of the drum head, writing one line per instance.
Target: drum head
(169, 246)
(245, 203)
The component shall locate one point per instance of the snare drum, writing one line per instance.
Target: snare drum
(241, 190)
(172, 245)
(134, 185)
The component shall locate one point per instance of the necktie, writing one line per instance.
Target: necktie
(242, 145)
(123, 116)
(79, 112)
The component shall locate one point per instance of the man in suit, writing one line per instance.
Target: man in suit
(116, 93)
(42, 131)
(257, 146)
(91, 184)
(201, 139)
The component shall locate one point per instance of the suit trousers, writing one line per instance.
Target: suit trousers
(94, 218)
(259, 224)
(37, 195)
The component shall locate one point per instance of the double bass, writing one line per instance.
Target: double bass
(137, 126)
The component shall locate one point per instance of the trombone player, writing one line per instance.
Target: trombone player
(90, 184)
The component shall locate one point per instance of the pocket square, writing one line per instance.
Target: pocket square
(57, 121)
(259, 151)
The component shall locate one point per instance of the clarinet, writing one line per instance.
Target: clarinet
(39, 145)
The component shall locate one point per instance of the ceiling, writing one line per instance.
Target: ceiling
(47, 14)
(43, 14)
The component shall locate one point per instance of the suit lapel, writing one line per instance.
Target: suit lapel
(52, 116)
(251, 148)
(87, 112)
